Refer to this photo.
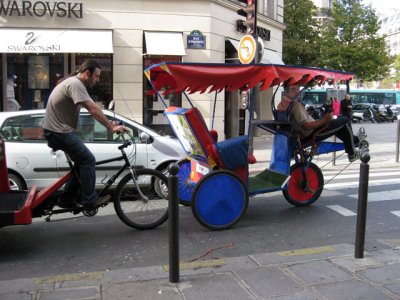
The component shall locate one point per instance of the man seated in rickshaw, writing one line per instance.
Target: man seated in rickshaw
(321, 129)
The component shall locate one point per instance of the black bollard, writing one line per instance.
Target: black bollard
(173, 215)
(362, 206)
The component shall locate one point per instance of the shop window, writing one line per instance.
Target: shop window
(101, 93)
(31, 78)
(153, 108)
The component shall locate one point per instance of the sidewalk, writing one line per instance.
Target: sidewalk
(329, 272)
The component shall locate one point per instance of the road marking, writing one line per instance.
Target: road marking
(378, 182)
(341, 210)
(396, 213)
(381, 196)
(306, 251)
(356, 175)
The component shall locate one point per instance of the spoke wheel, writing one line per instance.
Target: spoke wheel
(220, 199)
(147, 211)
(185, 185)
(304, 191)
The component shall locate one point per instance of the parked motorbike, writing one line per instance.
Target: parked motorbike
(389, 115)
(314, 112)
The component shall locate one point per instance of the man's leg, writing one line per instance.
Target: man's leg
(341, 128)
(71, 144)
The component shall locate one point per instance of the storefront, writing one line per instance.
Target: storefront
(34, 60)
(43, 41)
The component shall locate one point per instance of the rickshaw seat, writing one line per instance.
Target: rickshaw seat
(229, 154)
(232, 153)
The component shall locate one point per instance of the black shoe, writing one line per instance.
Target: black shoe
(100, 201)
(67, 204)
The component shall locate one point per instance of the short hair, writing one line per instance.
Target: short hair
(286, 89)
(90, 65)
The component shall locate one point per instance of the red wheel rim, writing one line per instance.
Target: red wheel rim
(295, 190)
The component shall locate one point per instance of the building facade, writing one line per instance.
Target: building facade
(390, 27)
(43, 41)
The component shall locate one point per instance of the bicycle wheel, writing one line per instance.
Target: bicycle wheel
(146, 207)
(220, 199)
(304, 191)
(185, 185)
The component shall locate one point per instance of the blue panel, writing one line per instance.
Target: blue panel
(328, 147)
(281, 154)
(233, 152)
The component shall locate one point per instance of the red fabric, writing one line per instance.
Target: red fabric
(195, 77)
(252, 159)
(4, 184)
(199, 126)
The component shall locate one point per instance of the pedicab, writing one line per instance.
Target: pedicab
(214, 179)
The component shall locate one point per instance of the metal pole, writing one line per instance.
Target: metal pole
(362, 206)
(334, 153)
(397, 140)
(173, 215)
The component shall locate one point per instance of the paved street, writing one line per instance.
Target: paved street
(276, 251)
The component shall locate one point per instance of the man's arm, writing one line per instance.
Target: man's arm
(326, 119)
(98, 114)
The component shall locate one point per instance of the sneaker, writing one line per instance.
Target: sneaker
(353, 157)
(100, 201)
(361, 134)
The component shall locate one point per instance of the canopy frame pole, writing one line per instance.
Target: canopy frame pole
(213, 114)
(187, 98)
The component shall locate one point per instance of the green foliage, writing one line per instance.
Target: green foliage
(396, 67)
(348, 40)
(300, 38)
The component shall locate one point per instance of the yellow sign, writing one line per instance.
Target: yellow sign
(247, 49)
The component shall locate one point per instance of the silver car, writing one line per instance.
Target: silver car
(31, 162)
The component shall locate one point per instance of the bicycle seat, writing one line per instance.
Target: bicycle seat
(53, 147)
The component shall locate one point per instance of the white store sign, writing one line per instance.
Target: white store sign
(30, 40)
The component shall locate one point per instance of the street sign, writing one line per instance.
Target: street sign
(247, 49)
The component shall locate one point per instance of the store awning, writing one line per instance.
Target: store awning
(269, 56)
(31, 40)
(164, 43)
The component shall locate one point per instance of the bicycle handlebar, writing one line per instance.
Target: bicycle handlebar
(125, 143)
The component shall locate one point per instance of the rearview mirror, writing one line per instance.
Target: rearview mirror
(111, 105)
(145, 137)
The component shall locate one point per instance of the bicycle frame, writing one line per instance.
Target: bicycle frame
(44, 194)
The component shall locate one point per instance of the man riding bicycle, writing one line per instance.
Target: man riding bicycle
(60, 129)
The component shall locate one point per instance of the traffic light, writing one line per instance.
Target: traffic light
(250, 12)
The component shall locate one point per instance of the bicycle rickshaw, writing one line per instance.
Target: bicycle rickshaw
(215, 179)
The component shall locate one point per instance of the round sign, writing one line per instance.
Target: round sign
(247, 49)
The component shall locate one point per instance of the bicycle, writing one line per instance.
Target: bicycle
(140, 198)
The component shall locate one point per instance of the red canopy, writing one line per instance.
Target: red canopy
(198, 77)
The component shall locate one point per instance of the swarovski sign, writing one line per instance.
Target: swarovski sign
(41, 8)
(19, 40)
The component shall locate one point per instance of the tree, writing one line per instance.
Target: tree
(300, 38)
(351, 42)
(396, 67)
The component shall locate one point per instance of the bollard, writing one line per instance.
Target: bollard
(362, 206)
(397, 140)
(173, 215)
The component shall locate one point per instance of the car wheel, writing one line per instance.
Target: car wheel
(16, 183)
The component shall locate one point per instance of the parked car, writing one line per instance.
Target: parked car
(31, 162)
